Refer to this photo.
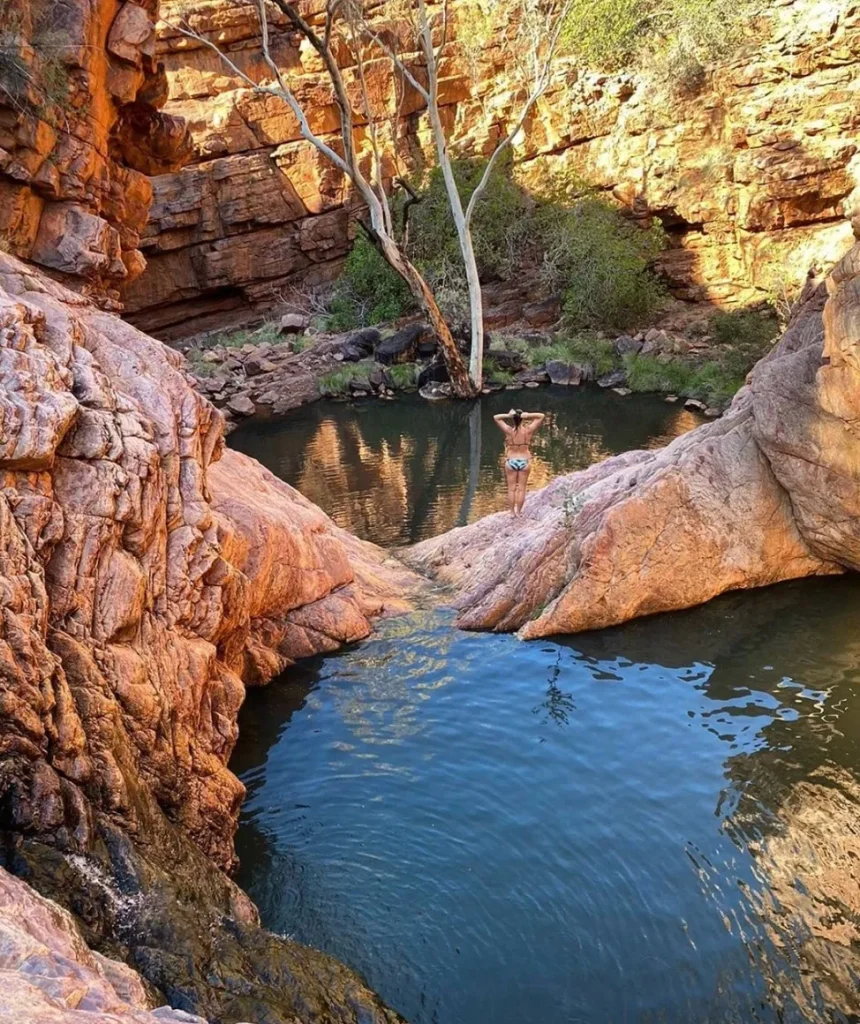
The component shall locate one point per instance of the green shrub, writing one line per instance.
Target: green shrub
(403, 375)
(747, 328)
(338, 382)
(584, 349)
(495, 374)
(269, 332)
(647, 373)
(601, 264)
(499, 223)
(670, 39)
(368, 292)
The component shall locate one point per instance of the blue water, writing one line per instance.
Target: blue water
(651, 823)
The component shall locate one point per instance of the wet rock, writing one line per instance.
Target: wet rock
(695, 405)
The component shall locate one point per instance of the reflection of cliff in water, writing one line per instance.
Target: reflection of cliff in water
(395, 472)
(789, 710)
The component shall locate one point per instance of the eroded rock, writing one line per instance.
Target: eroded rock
(768, 492)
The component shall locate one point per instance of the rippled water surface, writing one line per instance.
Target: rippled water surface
(652, 823)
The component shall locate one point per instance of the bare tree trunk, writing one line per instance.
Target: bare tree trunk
(457, 372)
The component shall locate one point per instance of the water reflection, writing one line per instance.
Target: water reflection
(395, 472)
(655, 822)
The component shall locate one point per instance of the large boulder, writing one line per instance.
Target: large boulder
(769, 492)
(402, 347)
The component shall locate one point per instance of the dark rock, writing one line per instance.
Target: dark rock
(567, 374)
(427, 347)
(257, 364)
(377, 376)
(366, 340)
(436, 372)
(350, 354)
(533, 376)
(616, 379)
(626, 346)
(508, 360)
(402, 347)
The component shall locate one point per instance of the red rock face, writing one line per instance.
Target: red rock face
(80, 134)
(767, 493)
(751, 175)
(144, 578)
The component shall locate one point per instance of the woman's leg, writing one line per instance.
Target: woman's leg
(511, 478)
(522, 486)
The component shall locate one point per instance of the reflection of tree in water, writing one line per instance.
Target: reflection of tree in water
(395, 472)
(784, 693)
(559, 704)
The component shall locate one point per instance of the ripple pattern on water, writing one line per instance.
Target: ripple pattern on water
(653, 823)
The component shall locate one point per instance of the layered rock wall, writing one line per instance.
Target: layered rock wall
(81, 133)
(144, 579)
(751, 174)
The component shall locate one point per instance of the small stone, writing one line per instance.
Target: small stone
(532, 384)
(617, 378)
(338, 357)
(211, 357)
(625, 345)
(671, 398)
(713, 413)
(622, 391)
(514, 387)
(695, 405)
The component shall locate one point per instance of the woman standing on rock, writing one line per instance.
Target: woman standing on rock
(518, 458)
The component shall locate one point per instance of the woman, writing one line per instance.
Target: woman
(518, 459)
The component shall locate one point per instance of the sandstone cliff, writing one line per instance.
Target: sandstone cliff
(144, 582)
(750, 175)
(767, 493)
(80, 134)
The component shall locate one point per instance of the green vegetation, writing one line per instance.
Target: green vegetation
(403, 375)
(269, 332)
(588, 251)
(300, 342)
(368, 292)
(337, 383)
(672, 40)
(600, 263)
(584, 349)
(41, 84)
(495, 374)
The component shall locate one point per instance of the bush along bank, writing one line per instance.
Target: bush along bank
(280, 365)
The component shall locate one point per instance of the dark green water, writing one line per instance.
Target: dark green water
(652, 823)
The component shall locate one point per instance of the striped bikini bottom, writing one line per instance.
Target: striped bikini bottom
(517, 463)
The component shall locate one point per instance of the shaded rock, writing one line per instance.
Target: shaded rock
(435, 372)
(695, 405)
(365, 341)
(768, 492)
(616, 379)
(402, 347)
(625, 345)
(563, 373)
(257, 364)
(507, 359)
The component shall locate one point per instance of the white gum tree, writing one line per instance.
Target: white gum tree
(528, 32)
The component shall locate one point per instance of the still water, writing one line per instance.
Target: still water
(397, 472)
(652, 823)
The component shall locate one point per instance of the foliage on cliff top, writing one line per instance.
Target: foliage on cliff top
(666, 37)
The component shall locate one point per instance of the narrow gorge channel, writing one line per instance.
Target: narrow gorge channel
(652, 822)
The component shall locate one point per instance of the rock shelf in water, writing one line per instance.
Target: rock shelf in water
(767, 493)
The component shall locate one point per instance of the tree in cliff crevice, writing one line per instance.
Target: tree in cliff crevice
(362, 33)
